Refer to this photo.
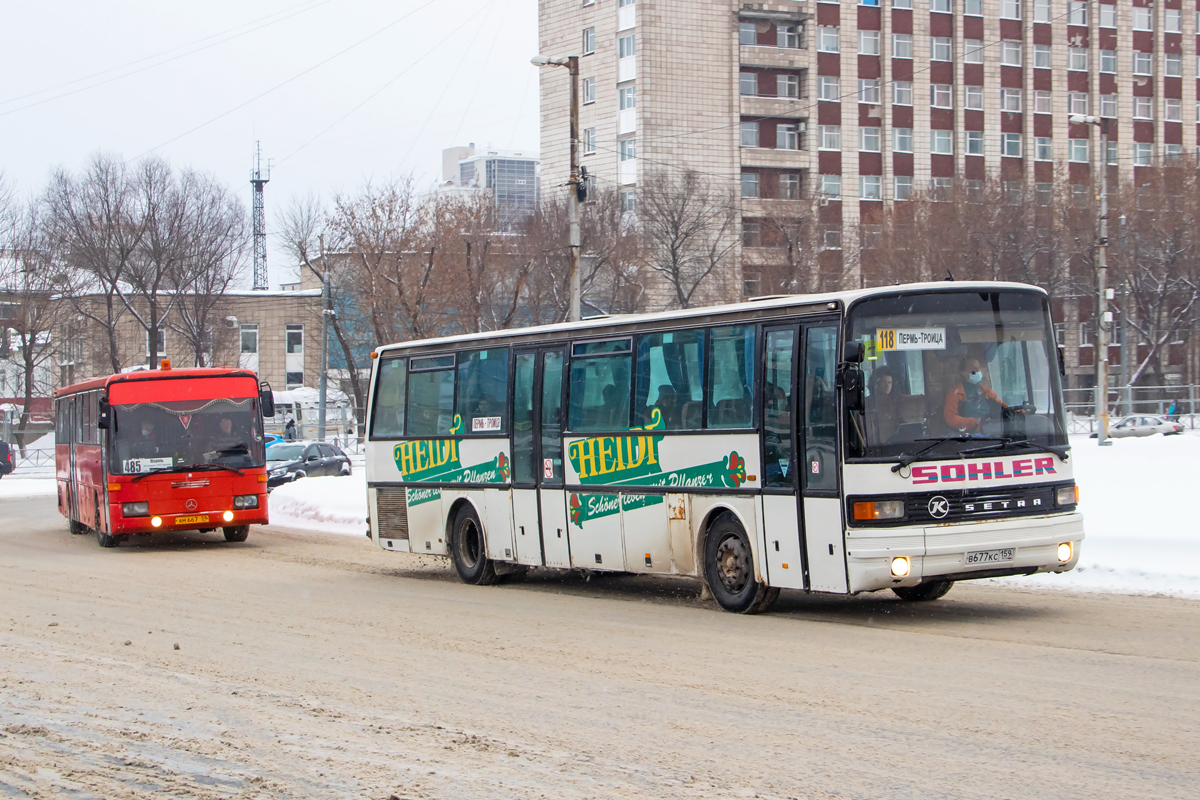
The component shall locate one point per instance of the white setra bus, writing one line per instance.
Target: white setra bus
(898, 438)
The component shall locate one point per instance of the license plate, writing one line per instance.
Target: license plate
(191, 520)
(990, 556)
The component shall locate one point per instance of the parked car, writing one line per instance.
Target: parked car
(291, 461)
(8, 461)
(271, 438)
(1143, 426)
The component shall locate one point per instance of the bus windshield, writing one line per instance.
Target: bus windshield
(173, 434)
(955, 366)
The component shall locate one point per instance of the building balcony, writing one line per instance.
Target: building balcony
(627, 172)
(775, 159)
(753, 55)
(769, 208)
(627, 118)
(626, 69)
(626, 17)
(795, 109)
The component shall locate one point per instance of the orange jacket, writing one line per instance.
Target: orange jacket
(957, 395)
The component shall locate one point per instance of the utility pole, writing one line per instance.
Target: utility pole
(572, 65)
(1102, 315)
(324, 384)
(258, 219)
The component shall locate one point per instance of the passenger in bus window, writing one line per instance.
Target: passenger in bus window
(226, 442)
(968, 402)
(145, 445)
(668, 406)
(883, 406)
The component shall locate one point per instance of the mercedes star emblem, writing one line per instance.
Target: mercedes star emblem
(939, 507)
(190, 505)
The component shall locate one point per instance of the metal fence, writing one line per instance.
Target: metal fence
(1127, 401)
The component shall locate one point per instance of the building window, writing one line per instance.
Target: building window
(941, 142)
(831, 238)
(627, 149)
(973, 98)
(941, 48)
(1010, 99)
(589, 90)
(626, 46)
(1108, 61)
(831, 137)
(1173, 65)
(1041, 10)
(902, 187)
(627, 97)
(1077, 13)
(868, 140)
(162, 344)
(901, 3)
(1041, 102)
(902, 140)
(589, 41)
(1108, 15)
(868, 91)
(789, 186)
(1173, 152)
(829, 40)
(902, 93)
(1042, 149)
(1013, 192)
(249, 339)
(973, 51)
(1173, 20)
(787, 86)
(1010, 53)
(787, 137)
(831, 186)
(1173, 109)
(973, 143)
(870, 236)
(749, 134)
(868, 43)
(870, 187)
(939, 95)
(1142, 108)
(1077, 59)
(1077, 103)
(751, 234)
(902, 45)
(1010, 9)
(1042, 56)
(1143, 63)
(787, 36)
(1143, 154)
(748, 84)
(940, 189)
(747, 33)
(1010, 145)
(1042, 193)
(941, 6)
(1112, 154)
(1077, 151)
(589, 141)
(1108, 106)
(828, 88)
(750, 185)
(973, 8)
(1143, 18)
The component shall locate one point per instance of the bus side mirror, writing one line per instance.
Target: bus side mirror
(266, 399)
(104, 418)
(850, 381)
(855, 352)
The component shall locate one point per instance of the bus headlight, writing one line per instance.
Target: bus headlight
(228, 516)
(1065, 551)
(1067, 495)
(900, 566)
(245, 501)
(139, 509)
(879, 509)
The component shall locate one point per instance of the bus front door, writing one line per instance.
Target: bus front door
(539, 502)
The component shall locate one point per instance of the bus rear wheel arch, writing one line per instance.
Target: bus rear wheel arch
(729, 568)
(468, 548)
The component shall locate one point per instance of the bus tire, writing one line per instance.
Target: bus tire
(469, 550)
(929, 590)
(105, 539)
(236, 533)
(729, 569)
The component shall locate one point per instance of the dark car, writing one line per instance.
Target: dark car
(8, 461)
(290, 461)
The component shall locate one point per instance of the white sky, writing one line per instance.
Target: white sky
(445, 73)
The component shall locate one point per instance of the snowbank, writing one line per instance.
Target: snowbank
(328, 505)
(18, 485)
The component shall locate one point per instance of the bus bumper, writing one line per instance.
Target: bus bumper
(941, 551)
(188, 520)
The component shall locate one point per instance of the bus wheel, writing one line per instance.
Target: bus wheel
(105, 539)
(729, 569)
(930, 590)
(77, 528)
(236, 533)
(469, 550)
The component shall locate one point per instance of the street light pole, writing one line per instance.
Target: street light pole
(572, 65)
(324, 384)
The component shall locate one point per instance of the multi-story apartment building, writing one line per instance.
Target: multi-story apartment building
(864, 103)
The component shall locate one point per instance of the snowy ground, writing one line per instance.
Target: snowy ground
(329, 505)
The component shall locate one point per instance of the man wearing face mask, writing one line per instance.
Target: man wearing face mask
(967, 402)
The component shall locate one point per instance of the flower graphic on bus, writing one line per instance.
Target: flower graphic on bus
(736, 469)
(502, 464)
(576, 510)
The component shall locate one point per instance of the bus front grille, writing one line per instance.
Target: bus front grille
(392, 504)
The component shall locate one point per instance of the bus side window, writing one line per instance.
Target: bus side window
(483, 390)
(670, 379)
(600, 386)
(731, 377)
(387, 418)
(820, 409)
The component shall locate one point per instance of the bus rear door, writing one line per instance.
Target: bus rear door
(539, 502)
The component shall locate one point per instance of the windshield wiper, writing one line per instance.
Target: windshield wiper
(208, 466)
(1062, 452)
(906, 459)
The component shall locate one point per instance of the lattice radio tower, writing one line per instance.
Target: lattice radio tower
(259, 219)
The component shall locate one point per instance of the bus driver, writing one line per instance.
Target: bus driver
(967, 402)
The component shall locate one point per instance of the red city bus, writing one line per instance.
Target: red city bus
(162, 450)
